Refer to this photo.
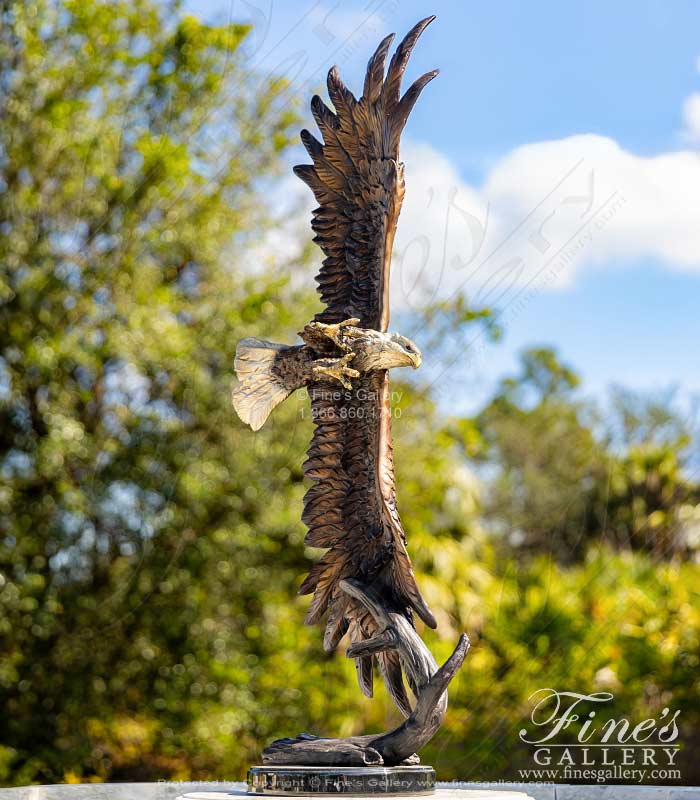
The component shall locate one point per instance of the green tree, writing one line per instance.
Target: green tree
(616, 622)
(562, 474)
(136, 513)
(544, 459)
(651, 500)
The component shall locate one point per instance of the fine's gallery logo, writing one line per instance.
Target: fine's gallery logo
(572, 739)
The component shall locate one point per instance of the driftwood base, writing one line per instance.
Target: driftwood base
(398, 747)
(341, 780)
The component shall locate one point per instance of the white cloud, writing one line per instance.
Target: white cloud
(691, 117)
(543, 212)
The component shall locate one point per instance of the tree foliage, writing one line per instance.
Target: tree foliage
(565, 474)
(133, 506)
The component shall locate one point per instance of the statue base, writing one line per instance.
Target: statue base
(290, 780)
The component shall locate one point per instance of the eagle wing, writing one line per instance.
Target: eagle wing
(358, 182)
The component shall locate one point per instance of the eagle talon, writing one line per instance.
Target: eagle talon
(334, 331)
(336, 368)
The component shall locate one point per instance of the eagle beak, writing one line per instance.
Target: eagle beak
(415, 360)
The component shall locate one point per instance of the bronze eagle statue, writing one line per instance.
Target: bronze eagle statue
(365, 579)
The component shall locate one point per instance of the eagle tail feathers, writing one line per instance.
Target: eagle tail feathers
(390, 667)
(259, 389)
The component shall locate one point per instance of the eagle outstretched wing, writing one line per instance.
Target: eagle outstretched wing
(358, 182)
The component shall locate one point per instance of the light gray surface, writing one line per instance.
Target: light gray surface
(562, 791)
(213, 791)
(446, 791)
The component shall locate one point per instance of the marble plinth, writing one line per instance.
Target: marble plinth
(362, 781)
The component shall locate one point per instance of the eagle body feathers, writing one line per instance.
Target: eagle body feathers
(350, 508)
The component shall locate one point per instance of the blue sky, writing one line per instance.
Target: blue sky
(525, 90)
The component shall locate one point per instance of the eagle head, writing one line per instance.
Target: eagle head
(398, 351)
